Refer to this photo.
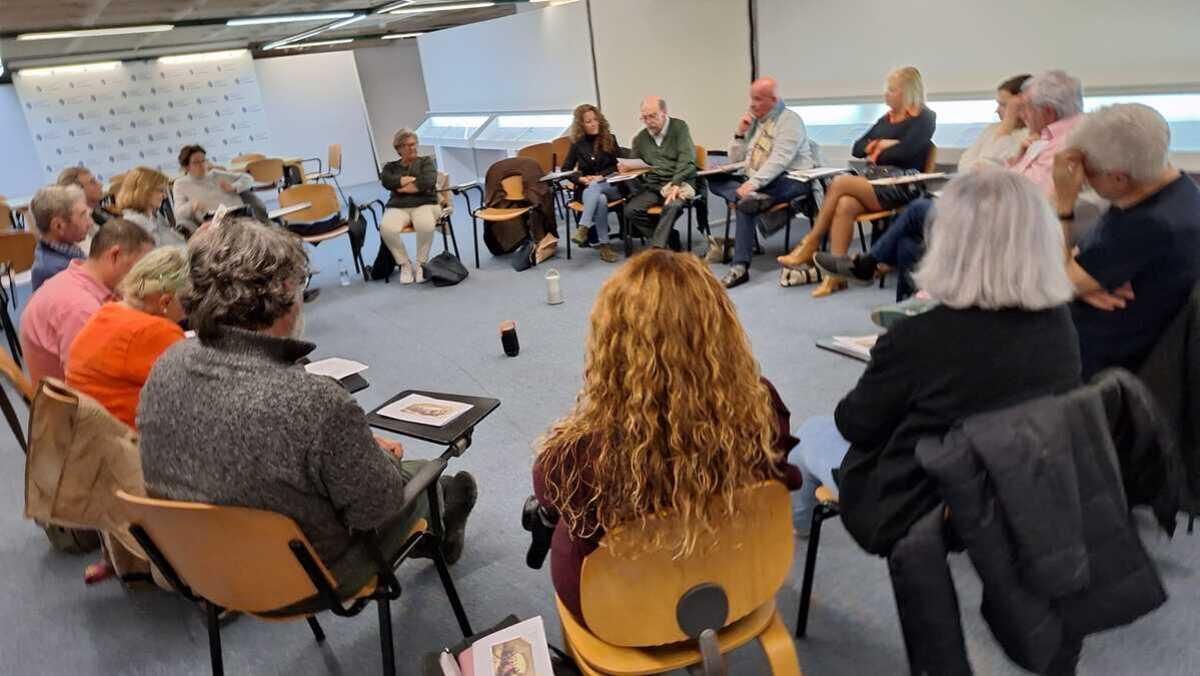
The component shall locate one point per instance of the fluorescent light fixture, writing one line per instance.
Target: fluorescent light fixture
(395, 5)
(288, 18)
(97, 32)
(400, 36)
(422, 9)
(318, 43)
(314, 32)
(64, 70)
(203, 56)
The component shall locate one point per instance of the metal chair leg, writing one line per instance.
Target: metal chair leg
(318, 633)
(386, 648)
(689, 237)
(10, 414)
(725, 257)
(820, 513)
(214, 640)
(475, 233)
(439, 562)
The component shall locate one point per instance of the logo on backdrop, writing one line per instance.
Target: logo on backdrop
(141, 113)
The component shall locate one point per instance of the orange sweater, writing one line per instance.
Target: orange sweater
(112, 356)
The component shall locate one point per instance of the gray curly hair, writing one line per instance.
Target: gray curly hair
(243, 274)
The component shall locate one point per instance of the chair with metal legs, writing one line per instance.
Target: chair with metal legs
(827, 507)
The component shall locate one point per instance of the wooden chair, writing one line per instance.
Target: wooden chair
(650, 612)
(827, 507)
(266, 172)
(701, 163)
(12, 373)
(247, 158)
(259, 563)
(329, 171)
(514, 191)
(7, 222)
(16, 256)
(561, 146)
(445, 197)
(323, 205)
(548, 159)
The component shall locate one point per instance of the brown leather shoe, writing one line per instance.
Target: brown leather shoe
(828, 287)
(802, 254)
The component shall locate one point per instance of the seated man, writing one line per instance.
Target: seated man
(63, 220)
(1135, 270)
(92, 190)
(230, 419)
(65, 302)
(666, 145)
(772, 140)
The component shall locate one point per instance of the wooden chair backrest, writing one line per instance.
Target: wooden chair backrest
(514, 187)
(322, 196)
(445, 199)
(561, 146)
(630, 600)
(15, 376)
(16, 249)
(542, 153)
(335, 157)
(6, 216)
(931, 159)
(268, 170)
(236, 557)
(247, 158)
(701, 158)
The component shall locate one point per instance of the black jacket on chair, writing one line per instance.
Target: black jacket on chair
(1035, 493)
(1172, 373)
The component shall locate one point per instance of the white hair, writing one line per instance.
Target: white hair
(1056, 89)
(994, 242)
(54, 201)
(163, 270)
(1130, 138)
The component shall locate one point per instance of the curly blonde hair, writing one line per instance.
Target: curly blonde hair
(672, 412)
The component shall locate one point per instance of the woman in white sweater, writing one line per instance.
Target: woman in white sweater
(199, 192)
(1000, 141)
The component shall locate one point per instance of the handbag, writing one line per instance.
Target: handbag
(445, 269)
(524, 259)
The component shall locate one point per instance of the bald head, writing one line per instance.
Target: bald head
(764, 94)
(654, 114)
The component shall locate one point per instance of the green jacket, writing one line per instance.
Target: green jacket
(674, 161)
(424, 169)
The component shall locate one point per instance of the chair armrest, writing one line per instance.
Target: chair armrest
(426, 477)
(311, 159)
(463, 187)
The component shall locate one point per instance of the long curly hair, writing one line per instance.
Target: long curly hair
(604, 140)
(672, 413)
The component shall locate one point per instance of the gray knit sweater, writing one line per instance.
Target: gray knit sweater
(233, 422)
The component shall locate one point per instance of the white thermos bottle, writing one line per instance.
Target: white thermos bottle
(553, 290)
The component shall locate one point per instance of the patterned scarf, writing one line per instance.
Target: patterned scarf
(764, 139)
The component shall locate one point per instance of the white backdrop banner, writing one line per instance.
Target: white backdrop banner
(141, 113)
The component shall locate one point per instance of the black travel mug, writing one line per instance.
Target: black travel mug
(508, 338)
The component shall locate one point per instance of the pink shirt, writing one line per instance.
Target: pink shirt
(1037, 164)
(56, 313)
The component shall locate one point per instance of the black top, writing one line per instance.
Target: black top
(915, 135)
(424, 169)
(925, 374)
(589, 161)
(1155, 246)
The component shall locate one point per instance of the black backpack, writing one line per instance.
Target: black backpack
(445, 269)
(384, 265)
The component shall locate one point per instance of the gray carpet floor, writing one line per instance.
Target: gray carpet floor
(446, 339)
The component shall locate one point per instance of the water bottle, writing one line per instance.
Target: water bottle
(553, 289)
(343, 273)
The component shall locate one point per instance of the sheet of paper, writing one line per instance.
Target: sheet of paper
(519, 649)
(335, 367)
(620, 178)
(807, 175)
(626, 164)
(556, 175)
(416, 408)
(723, 169)
(189, 334)
(858, 344)
(910, 178)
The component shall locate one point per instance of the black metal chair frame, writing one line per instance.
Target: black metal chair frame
(444, 223)
(387, 590)
(822, 511)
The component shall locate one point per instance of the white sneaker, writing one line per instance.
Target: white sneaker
(419, 273)
(406, 273)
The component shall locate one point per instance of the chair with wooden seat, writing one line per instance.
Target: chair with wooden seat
(546, 157)
(15, 376)
(247, 158)
(259, 563)
(16, 256)
(446, 204)
(648, 611)
(878, 220)
(329, 171)
(7, 221)
(576, 207)
(701, 189)
(323, 206)
(266, 172)
(514, 191)
(827, 507)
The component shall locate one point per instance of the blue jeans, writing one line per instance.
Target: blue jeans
(595, 207)
(903, 243)
(782, 189)
(820, 451)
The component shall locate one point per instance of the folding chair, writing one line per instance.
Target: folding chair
(323, 206)
(649, 611)
(701, 189)
(259, 563)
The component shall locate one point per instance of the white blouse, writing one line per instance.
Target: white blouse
(993, 148)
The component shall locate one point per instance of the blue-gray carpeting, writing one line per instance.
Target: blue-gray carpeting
(446, 339)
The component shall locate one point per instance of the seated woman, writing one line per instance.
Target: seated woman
(139, 200)
(199, 192)
(1002, 335)
(113, 353)
(412, 180)
(899, 141)
(902, 243)
(594, 152)
(673, 411)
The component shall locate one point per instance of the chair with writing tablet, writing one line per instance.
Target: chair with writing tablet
(323, 209)
(327, 172)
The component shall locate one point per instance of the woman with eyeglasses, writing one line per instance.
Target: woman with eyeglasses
(412, 182)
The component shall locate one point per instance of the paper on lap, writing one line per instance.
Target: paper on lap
(335, 367)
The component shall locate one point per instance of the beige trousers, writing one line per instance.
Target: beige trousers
(422, 218)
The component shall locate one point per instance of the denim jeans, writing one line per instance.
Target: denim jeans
(903, 243)
(780, 190)
(820, 451)
(595, 207)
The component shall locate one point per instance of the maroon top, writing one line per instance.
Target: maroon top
(567, 553)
